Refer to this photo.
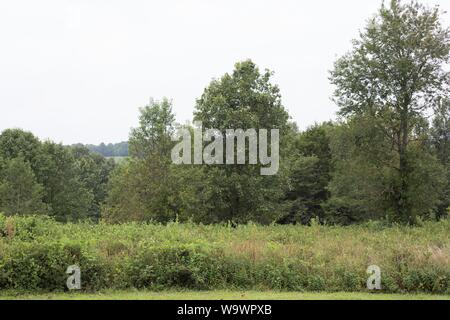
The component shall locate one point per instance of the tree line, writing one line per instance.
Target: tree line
(68, 183)
(386, 157)
(108, 150)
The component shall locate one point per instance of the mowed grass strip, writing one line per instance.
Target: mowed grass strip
(218, 295)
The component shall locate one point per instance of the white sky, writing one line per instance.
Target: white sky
(77, 71)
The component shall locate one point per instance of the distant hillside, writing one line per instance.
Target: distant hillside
(109, 150)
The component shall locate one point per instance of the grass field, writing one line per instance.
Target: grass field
(219, 295)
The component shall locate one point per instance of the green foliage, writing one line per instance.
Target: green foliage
(428, 183)
(363, 164)
(343, 173)
(36, 251)
(244, 99)
(142, 189)
(394, 73)
(19, 191)
(15, 143)
(69, 198)
(382, 161)
(44, 177)
(93, 171)
(153, 135)
(440, 140)
(150, 188)
(365, 179)
(310, 170)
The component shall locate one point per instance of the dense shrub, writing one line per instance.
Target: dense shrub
(36, 251)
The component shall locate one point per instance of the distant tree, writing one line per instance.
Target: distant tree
(19, 191)
(394, 73)
(110, 150)
(102, 149)
(121, 149)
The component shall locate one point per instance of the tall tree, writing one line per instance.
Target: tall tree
(19, 191)
(142, 188)
(244, 99)
(153, 135)
(394, 73)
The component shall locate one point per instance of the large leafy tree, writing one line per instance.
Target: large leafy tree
(244, 99)
(394, 73)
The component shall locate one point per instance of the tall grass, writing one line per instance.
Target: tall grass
(35, 252)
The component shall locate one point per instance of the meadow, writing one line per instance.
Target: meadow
(36, 251)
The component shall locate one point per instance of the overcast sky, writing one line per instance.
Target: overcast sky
(77, 71)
